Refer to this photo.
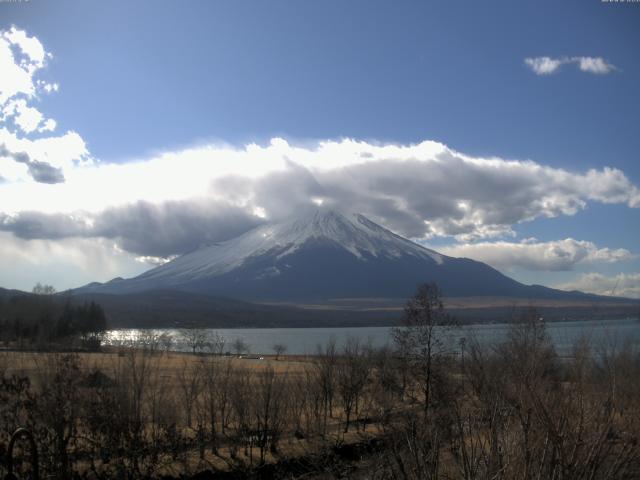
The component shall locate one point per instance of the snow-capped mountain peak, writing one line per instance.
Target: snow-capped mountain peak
(350, 231)
(323, 255)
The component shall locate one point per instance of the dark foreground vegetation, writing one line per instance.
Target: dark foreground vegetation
(417, 411)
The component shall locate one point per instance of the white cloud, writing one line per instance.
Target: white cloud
(16, 78)
(30, 46)
(620, 285)
(21, 57)
(49, 125)
(63, 151)
(543, 65)
(422, 191)
(533, 255)
(25, 117)
(596, 65)
(155, 261)
(42, 159)
(549, 65)
(49, 87)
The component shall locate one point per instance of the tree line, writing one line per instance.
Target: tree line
(42, 319)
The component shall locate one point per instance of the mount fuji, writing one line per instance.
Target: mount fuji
(324, 255)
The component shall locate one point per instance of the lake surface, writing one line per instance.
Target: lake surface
(300, 341)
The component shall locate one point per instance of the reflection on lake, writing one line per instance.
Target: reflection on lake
(300, 341)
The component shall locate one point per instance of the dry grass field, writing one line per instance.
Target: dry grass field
(29, 363)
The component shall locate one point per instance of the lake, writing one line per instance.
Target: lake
(300, 341)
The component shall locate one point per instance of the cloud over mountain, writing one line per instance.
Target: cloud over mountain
(209, 193)
(172, 227)
(142, 228)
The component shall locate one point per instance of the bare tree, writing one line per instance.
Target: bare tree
(279, 349)
(241, 402)
(269, 398)
(386, 385)
(167, 341)
(216, 376)
(314, 391)
(223, 388)
(139, 376)
(326, 364)
(419, 339)
(352, 374)
(215, 343)
(299, 392)
(194, 338)
(239, 346)
(416, 439)
(189, 381)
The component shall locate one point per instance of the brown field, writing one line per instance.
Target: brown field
(170, 363)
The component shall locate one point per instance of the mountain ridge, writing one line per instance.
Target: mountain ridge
(328, 254)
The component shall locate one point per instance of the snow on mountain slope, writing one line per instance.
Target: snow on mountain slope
(326, 254)
(352, 232)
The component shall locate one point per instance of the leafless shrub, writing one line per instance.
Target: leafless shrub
(353, 370)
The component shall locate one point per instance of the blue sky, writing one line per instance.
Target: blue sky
(138, 80)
